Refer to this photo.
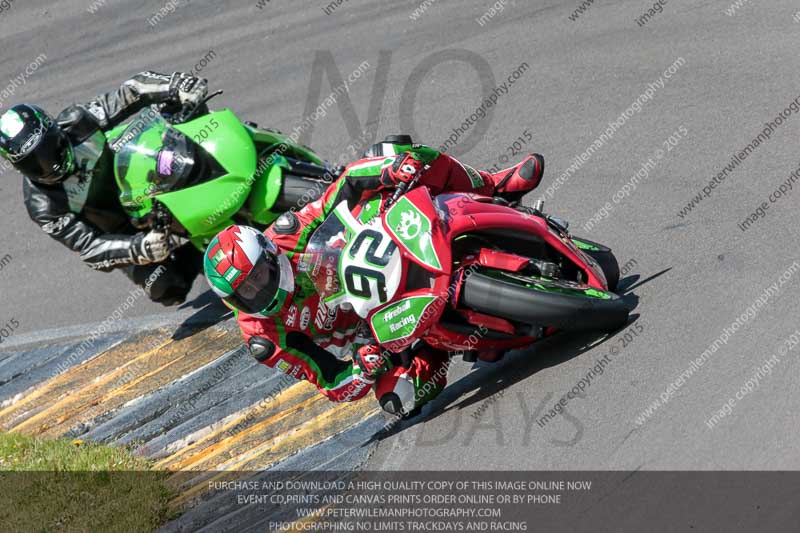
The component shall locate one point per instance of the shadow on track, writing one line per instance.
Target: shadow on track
(210, 311)
(488, 379)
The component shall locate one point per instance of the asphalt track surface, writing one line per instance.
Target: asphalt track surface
(690, 278)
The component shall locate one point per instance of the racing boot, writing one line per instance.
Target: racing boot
(512, 183)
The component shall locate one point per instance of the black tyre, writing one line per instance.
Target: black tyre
(543, 302)
(604, 257)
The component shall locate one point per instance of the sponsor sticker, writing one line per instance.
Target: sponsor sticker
(410, 225)
(325, 316)
(400, 319)
(291, 316)
(284, 366)
(165, 159)
(305, 317)
(414, 229)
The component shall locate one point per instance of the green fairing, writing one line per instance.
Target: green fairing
(370, 209)
(271, 164)
(426, 154)
(208, 207)
(266, 190)
(417, 237)
(400, 319)
(584, 245)
(134, 186)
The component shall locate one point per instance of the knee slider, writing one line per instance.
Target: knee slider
(396, 394)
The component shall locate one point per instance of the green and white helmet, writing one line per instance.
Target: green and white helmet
(247, 270)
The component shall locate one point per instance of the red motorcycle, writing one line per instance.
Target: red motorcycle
(462, 272)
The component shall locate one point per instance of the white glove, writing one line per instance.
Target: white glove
(152, 247)
(189, 89)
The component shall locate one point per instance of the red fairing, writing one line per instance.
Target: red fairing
(469, 212)
(445, 339)
(421, 198)
(502, 260)
(492, 322)
(454, 215)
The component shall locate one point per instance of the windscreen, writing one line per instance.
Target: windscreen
(152, 158)
(321, 259)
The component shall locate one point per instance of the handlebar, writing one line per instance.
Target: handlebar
(188, 109)
(162, 222)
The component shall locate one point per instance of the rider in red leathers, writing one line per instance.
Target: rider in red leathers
(284, 322)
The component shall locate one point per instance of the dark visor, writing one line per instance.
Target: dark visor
(259, 289)
(48, 160)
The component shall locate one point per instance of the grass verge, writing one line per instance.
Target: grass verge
(63, 485)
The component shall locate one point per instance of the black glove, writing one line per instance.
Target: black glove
(152, 247)
(188, 89)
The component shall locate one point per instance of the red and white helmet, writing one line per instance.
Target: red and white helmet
(247, 270)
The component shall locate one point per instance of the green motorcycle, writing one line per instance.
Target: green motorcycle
(193, 177)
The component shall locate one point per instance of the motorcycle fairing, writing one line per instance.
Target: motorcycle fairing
(396, 324)
(369, 264)
(145, 168)
(466, 213)
(415, 226)
(223, 196)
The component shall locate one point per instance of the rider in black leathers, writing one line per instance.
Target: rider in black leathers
(70, 189)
